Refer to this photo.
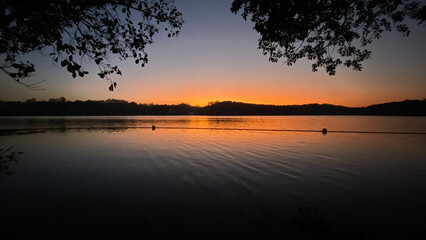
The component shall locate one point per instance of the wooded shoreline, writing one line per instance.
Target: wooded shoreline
(112, 107)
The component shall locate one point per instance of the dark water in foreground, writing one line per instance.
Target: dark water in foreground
(113, 177)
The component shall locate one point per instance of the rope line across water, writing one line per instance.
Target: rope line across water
(206, 128)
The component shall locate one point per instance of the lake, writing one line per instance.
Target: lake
(210, 177)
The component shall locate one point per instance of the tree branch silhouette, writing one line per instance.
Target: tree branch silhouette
(82, 30)
(314, 29)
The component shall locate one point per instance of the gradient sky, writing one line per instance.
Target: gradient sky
(216, 58)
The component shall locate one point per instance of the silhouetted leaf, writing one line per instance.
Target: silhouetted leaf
(64, 63)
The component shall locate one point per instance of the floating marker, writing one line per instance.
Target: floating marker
(153, 127)
(324, 130)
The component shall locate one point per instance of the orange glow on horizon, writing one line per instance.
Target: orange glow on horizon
(199, 96)
(198, 89)
(268, 101)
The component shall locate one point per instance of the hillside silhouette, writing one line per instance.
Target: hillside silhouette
(113, 107)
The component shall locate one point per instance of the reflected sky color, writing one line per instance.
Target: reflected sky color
(313, 123)
(215, 184)
(216, 58)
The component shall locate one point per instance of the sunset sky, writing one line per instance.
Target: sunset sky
(216, 58)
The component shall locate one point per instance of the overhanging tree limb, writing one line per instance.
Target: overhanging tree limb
(82, 29)
(320, 25)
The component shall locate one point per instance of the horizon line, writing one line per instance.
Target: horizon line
(210, 102)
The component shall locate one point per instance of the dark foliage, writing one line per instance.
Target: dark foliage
(111, 107)
(329, 32)
(316, 224)
(74, 32)
(310, 219)
(7, 157)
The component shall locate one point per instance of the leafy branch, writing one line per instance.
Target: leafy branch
(314, 29)
(82, 30)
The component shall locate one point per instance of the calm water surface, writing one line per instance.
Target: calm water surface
(109, 177)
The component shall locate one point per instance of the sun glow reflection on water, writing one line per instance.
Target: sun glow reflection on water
(215, 183)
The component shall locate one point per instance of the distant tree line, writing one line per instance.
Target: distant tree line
(112, 107)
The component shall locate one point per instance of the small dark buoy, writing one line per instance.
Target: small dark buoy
(153, 127)
(324, 131)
